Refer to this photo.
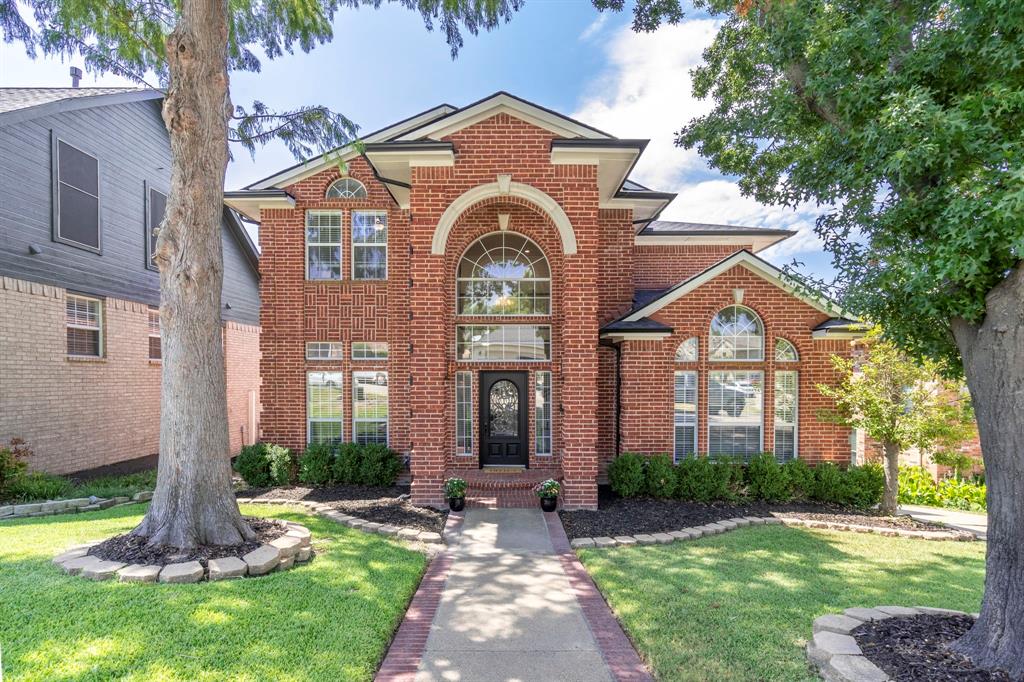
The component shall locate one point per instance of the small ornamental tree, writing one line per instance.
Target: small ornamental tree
(190, 47)
(898, 402)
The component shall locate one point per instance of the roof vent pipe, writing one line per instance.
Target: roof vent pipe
(76, 76)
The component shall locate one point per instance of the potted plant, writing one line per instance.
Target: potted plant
(548, 491)
(455, 493)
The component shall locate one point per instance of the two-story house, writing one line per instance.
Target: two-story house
(486, 290)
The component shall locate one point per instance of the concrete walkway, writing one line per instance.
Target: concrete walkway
(972, 522)
(515, 605)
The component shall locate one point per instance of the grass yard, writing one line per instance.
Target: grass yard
(331, 619)
(739, 606)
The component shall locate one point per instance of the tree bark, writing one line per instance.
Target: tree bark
(993, 356)
(892, 478)
(193, 503)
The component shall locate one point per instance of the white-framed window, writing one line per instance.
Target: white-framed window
(370, 407)
(369, 245)
(155, 349)
(369, 350)
(323, 244)
(785, 351)
(84, 319)
(325, 350)
(156, 209)
(76, 196)
(685, 415)
(736, 334)
(504, 273)
(502, 342)
(542, 412)
(787, 398)
(325, 399)
(688, 350)
(464, 413)
(346, 188)
(735, 408)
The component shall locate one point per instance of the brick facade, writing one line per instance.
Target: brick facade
(78, 413)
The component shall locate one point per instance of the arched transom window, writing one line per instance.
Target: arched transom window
(687, 351)
(736, 334)
(504, 273)
(346, 188)
(785, 351)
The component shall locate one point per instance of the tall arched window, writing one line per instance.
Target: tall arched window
(736, 334)
(504, 273)
(346, 188)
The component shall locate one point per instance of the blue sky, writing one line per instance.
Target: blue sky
(382, 66)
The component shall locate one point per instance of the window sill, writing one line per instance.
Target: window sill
(154, 361)
(85, 358)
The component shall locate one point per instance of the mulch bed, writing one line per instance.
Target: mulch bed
(383, 505)
(132, 549)
(618, 516)
(915, 649)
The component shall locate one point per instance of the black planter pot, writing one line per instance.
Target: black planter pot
(549, 504)
(456, 503)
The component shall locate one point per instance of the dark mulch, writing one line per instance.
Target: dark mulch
(916, 649)
(618, 516)
(383, 505)
(132, 549)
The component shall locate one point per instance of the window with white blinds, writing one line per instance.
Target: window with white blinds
(323, 245)
(786, 399)
(735, 413)
(464, 413)
(685, 419)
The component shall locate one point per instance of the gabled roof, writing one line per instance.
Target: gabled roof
(22, 104)
(674, 232)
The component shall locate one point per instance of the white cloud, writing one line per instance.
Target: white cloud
(594, 27)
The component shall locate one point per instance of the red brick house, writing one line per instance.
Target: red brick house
(484, 289)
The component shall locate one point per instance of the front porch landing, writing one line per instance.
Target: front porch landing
(504, 488)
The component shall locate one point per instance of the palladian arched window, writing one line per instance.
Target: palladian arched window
(346, 188)
(785, 351)
(504, 273)
(736, 334)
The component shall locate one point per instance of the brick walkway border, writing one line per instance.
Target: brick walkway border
(406, 651)
(619, 654)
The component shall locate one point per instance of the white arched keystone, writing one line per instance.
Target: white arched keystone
(514, 189)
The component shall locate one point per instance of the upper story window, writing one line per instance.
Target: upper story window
(687, 351)
(785, 351)
(369, 245)
(346, 188)
(504, 273)
(324, 350)
(76, 197)
(736, 334)
(156, 208)
(84, 320)
(323, 245)
(369, 350)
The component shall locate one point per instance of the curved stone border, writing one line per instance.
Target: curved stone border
(72, 506)
(834, 652)
(328, 512)
(949, 534)
(673, 536)
(279, 554)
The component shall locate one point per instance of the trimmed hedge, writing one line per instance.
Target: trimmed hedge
(660, 477)
(626, 474)
(264, 465)
(316, 466)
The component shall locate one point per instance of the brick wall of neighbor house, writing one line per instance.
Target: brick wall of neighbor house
(78, 414)
(242, 365)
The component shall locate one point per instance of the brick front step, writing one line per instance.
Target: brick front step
(504, 488)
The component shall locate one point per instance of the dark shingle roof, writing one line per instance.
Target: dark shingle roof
(12, 99)
(644, 325)
(671, 227)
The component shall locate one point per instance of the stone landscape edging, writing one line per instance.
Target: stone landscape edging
(948, 534)
(75, 505)
(834, 652)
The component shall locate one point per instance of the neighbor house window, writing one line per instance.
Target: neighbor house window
(786, 399)
(325, 350)
(504, 273)
(685, 417)
(785, 351)
(370, 407)
(346, 188)
(503, 342)
(734, 413)
(542, 412)
(369, 350)
(155, 351)
(323, 245)
(736, 334)
(687, 351)
(85, 326)
(76, 196)
(324, 404)
(464, 413)
(369, 245)
(156, 208)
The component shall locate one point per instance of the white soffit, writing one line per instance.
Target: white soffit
(757, 242)
(397, 164)
(250, 206)
(613, 165)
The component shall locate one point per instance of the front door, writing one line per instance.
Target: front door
(503, 426)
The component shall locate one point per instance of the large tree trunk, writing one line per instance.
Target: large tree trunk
(993, 356)
(193, 503)
(892, 478)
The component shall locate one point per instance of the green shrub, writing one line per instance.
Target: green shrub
(380, 465)
(660, 477)
(767, 480)
(864, 485)
(124, 485)
(734, 469)
(37, 485)
(348, 464)
(958, 493)
(253, 466)
(829, 483)
(626, 474)
(316, 467)
(701, 480)
(917, 487)
(800, 477)
(12, 464)
(282, 464)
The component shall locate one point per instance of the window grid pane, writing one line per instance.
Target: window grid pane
(325, 350)
(734, 413)
(369, 245)
(370, 407)
(155, 350)
(369, 350)
(506, 342)
(346, 188)
(542, 412)
(78, 190)
(736, 334)
(785, 351)
(84, 326)
(323, 245)
(324, 398)
(685, 417)
(464, 413)
(504, 274)
(786, 406)
(687, 351)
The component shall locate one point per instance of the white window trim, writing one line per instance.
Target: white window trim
(149, 188)
(339, 344)
(347, 178)
(469, 378)
(387, 351)
(354, 244)
(696, 344)
(101, 346)
(307, 243)
(796, 410)
(500, 324)
(387, 420)
(151, 335)
(712, 358)
(760, 421)
(339, 420)
(775, 350)
(517, 316)
(550, 410)
(696, 412)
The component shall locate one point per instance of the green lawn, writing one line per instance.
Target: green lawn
(331, 619)
(739, 606)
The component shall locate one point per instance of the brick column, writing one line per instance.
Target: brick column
(647, 397)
